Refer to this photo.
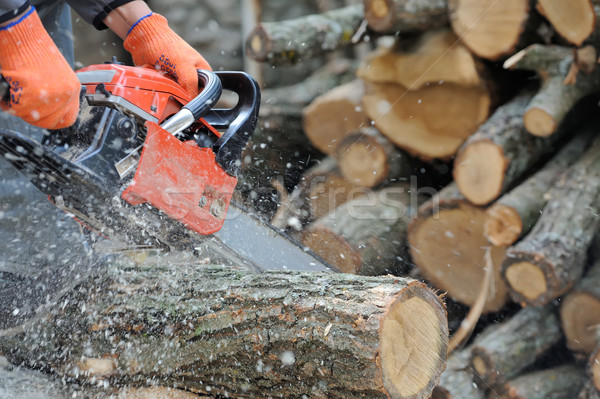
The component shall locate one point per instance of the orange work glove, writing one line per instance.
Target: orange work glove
(44, 90)
(151, 41)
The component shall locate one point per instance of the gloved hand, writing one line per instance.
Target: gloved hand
(44, 90)
(151, 41)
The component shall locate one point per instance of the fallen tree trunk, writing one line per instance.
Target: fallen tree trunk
(561, 382)
(226, 332)
(493, 29)
(296, 40)
(501, 151)
(580, 313)
(366, 158)
(515, 213)
(575, 21)
(367, 235)
(447, 245)
(551, 258)
(333, 115)
(502, 351)
(427, 99)
(561, 88)
(401, 16)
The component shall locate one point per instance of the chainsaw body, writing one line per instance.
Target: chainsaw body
(149, 143)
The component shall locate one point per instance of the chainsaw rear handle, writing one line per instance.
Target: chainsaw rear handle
(198, 106)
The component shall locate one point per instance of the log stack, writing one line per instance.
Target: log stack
(496, 102)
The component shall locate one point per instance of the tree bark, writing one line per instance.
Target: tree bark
(513, 215)
(502, 351)
(575, 21)
(551, 258)
(226, 332)
(401, 16)
(333, 115)
(447, 244)
(561, 382)
(557, 95)
(589, 392)
(580, 313)
(367, 235)
(366, 158)
(297, 40)
(501, 151)
(492, 29)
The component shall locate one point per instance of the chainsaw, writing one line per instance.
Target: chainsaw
(146, 166)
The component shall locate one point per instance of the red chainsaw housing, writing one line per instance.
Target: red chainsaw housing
(177, 177)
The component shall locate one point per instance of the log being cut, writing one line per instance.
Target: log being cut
(228, 332)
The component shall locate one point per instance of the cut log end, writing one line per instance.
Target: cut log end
(333, 249)
(573, 20)
(479, 171)
(379, 14)
(412, 347)
(527, 281)
(480, 365)
(362, 162)
(580, 318)
(258, 44)
(503, 225)
(539, 123)
(491, 29)
(449, 248)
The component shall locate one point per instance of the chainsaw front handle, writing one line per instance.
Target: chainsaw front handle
(238, 122)
(199, 105)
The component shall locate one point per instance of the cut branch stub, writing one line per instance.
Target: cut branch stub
(201, 328)
(292, 41)
(400, 16)
(492, 29)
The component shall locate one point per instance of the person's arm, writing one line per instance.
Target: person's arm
(123, 18)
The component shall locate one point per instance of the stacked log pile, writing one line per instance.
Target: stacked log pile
(497, 103)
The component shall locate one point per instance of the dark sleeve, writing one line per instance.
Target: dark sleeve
(94, 11)
(11, 8)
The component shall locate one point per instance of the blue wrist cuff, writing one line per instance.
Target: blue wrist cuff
(137, 22)
(31, 10)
